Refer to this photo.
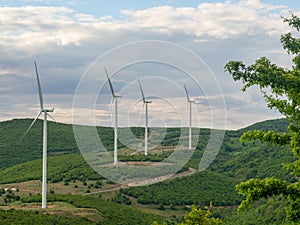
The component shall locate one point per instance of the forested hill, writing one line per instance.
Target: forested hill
(20, 161)
(279, 125)
(14, 150)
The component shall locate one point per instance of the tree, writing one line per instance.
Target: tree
(198, 216)
(281, 90)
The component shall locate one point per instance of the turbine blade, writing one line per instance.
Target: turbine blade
(38, 115)
(110, 84)
(51, 117)
(187, 94)
(112, 100)
(39, 86)
(144, 100)
(141, 112)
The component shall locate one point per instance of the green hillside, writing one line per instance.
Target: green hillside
(237, 160)
(251, 159)
(262, 212)
(22, 217)
(20, 161)
(14, 151)
(60, 168)
(279, 125)
(105, 212)
(109, 212)
(200, 189)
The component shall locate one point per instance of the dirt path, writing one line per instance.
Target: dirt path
(145, 182)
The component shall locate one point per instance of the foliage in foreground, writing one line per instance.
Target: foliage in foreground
(264, 211)
(281, 90)
(198, 216)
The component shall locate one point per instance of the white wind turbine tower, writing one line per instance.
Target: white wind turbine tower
(146, 102)
(190, 116)
(45, 111)
(115, 98)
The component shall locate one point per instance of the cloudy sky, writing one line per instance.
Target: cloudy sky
(164, 43)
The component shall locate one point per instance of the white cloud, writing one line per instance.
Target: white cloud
(215, 20)
(65, 42)
(41, 26)
(36, 27)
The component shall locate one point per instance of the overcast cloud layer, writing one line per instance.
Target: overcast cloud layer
(65, 42)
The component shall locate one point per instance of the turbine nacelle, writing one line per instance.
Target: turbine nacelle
(117, 95)
(48, 110)
(146, 101)
(187, 95)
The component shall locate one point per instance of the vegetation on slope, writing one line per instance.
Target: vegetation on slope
(265, 211)
(278, 125)
(198, 216)
(255, 159)
(60, 168)
(14, 150)
(110, 212)
(22, 217)
(200, 189)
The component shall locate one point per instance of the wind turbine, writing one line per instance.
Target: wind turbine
(146, 102)
(190, 116)
(115, 98)
(45, 111)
